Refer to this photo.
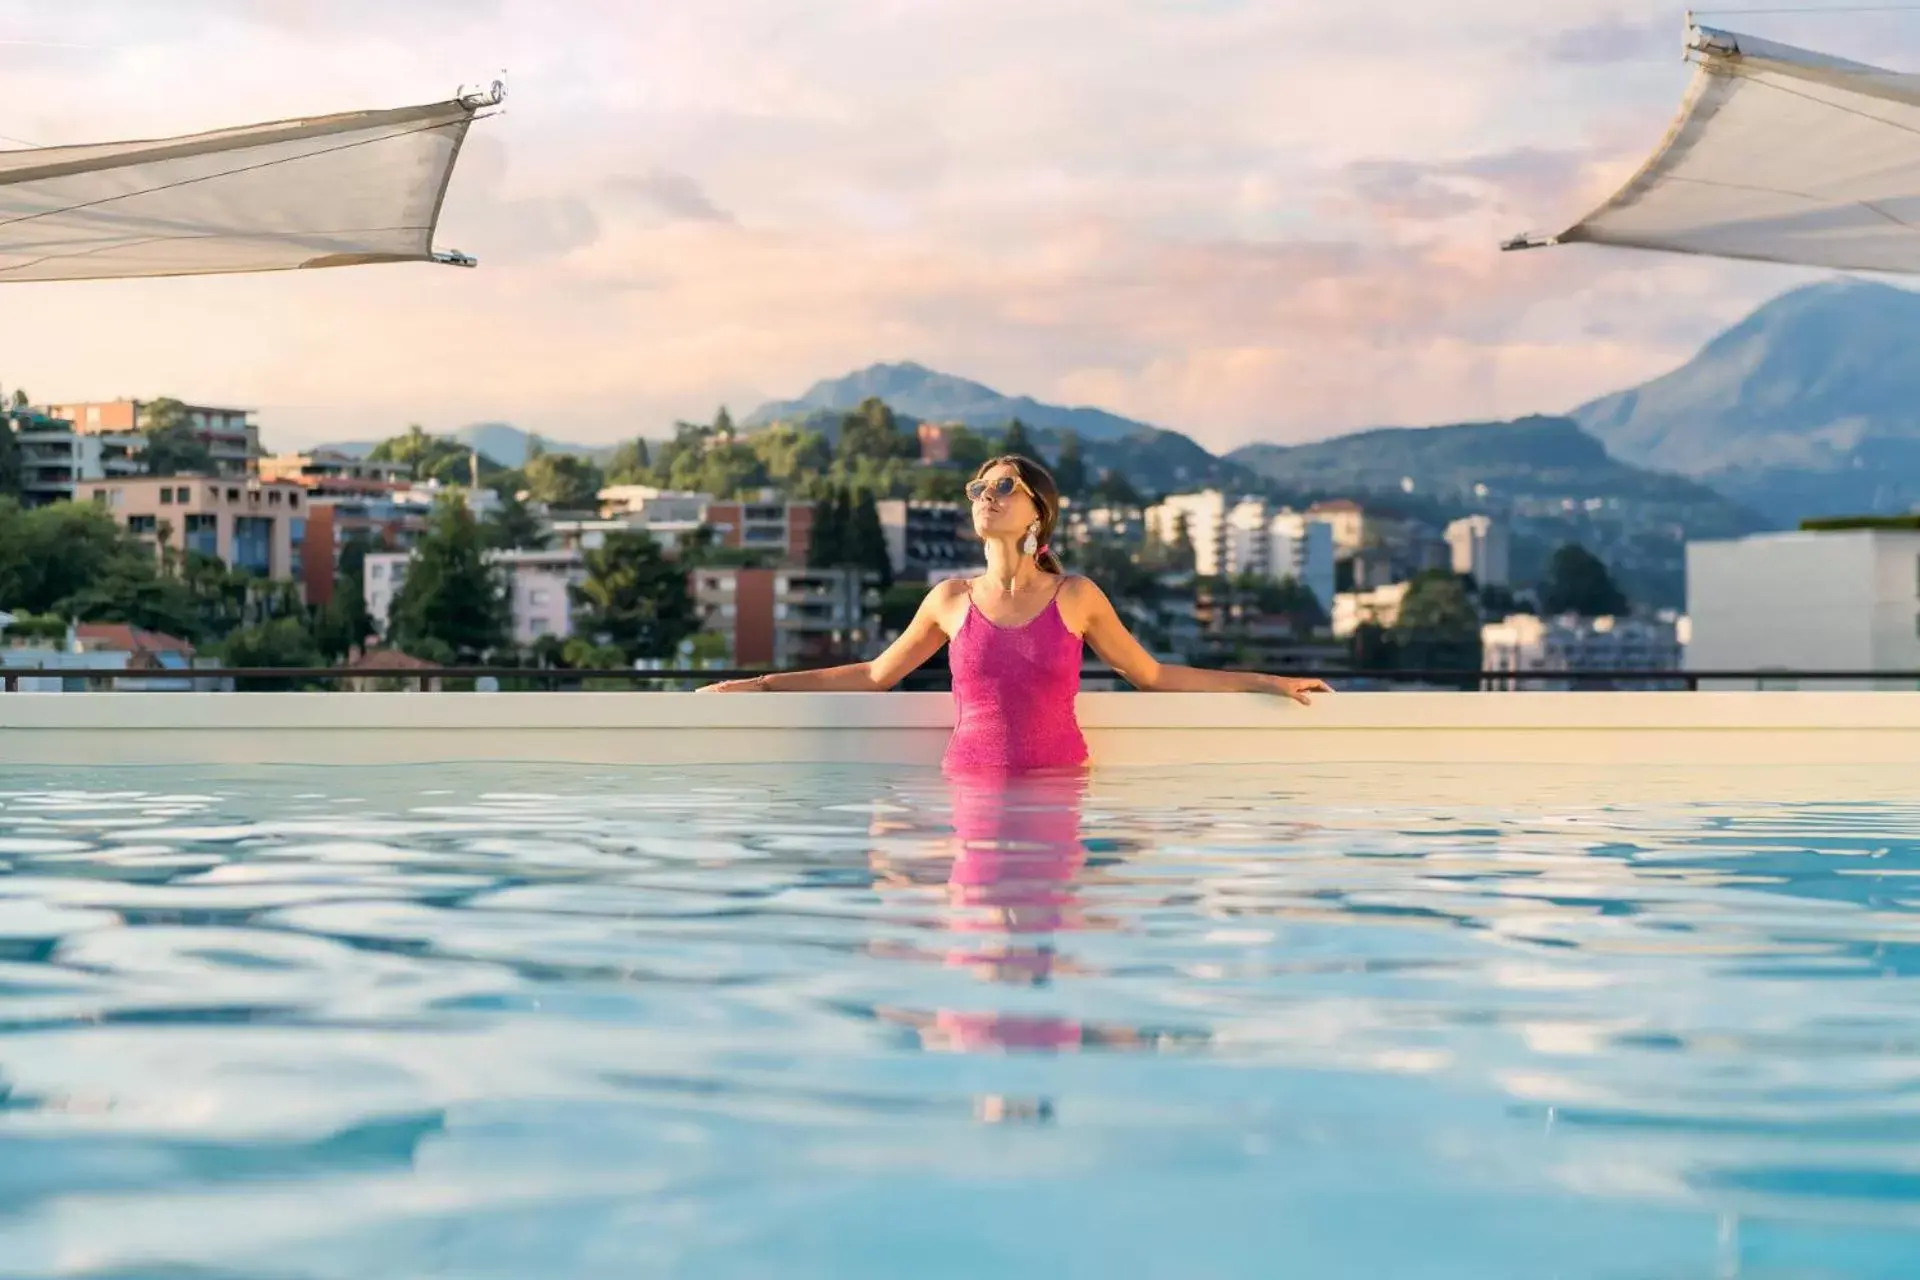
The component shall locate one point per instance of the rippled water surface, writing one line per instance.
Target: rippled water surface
(545, 1022)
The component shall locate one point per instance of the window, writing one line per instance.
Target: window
(213, 495)
(273, 498)
(538, 596)
(203, 535)
(293, 499)
(100, 496)
(233, 495)
(142, 524)
(297, 533)
(166, 497)
(253, 544)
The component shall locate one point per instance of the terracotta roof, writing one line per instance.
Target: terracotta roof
(391, 660)
(119, 637)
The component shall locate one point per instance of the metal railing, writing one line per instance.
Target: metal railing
(564, 678)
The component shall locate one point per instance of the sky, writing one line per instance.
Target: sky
(1242, 219)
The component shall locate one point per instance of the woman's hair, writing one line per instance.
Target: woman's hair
(1046, 501)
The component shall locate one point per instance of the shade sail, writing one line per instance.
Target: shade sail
(331, 191)
(1778, 155)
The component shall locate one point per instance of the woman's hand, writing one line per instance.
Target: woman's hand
(752, 684)
(1289, 687)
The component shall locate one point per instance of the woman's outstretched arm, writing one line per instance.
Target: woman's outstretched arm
(919, 642)
(1108, 637)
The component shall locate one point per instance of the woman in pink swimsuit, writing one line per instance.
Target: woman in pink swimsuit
(1017, 633)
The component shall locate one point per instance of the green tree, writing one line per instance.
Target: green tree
(1070, 467)
(21, 400)
(1017, 439)
(1578, 582)
(723, 424)
(512, 527)
(634, 598)
(342, 624)
(280, 643)
(173, 448)
(431, 457)
(1438, 627)
(867, 549)
(631, 463)
(967, 448)
(830, 542)
(564, 481)
(1115, 490)
(871, 431)
(789, 453)
(9, 459)
(452, 605)
(75, 561)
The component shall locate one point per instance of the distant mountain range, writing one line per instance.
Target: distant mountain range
(1810, 406)
(930, 396)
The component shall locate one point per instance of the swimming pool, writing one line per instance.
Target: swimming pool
(831, 1020)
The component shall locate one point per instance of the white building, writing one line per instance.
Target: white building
(1524, 643)
(1303, 549)
(1481, 547)
(536, 584)
(1380, 606)
(591, 535)
(1247, 536)
(1838, 600)
(55, 458)
(654, 506)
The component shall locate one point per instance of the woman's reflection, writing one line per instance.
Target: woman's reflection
(1012, 876)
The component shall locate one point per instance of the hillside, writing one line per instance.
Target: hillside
(940, 397)
(1153, 459)
(1810, 406)
(1549, 480)
(501, 441)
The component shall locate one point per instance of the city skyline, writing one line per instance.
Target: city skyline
(1240, 221)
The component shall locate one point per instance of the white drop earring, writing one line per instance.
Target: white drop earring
(1032, 544)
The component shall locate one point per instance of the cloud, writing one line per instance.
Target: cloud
(672, 195)
(1239, 219)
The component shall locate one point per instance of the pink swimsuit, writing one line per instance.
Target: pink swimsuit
(1013, 692)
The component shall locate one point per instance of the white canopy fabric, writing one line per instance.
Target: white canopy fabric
(341, 190)
(1778, 155)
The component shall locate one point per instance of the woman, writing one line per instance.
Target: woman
(1017, 633)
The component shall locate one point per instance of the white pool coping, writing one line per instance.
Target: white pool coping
(1674, 730)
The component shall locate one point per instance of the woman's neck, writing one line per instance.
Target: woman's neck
(1008, 569)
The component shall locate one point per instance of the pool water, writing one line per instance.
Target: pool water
(578, 1022)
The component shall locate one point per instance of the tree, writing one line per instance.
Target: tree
(723, 424)
(452, 604)
(1070, 467)
(343, 624)
(631, 463)
(634, 598)
(871, 431)
(9, 459)
(1115, 490)
(565, 481)
(74, 560)
(1438, 627)
(828, 545)
(1578, 582)
(513, 527)
(283, 643)
(173, 447)
(789, 453)
(967, 448)
(21, 400)
(1018, 440)
(867, 549)
(430, 457)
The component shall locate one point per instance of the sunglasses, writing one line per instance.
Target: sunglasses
(1001, 488)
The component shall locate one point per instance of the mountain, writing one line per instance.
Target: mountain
(940, 397)
(503, 442)
(1810, 406)
(1548, 480)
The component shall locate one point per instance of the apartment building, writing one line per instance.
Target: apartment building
(231, 435)
(1479, 546)
(536, 584)
(766, 522)
(1524, 643)
(927, 537)
(788, 617)
(330, 471)
(246, 523)
(56, 460)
